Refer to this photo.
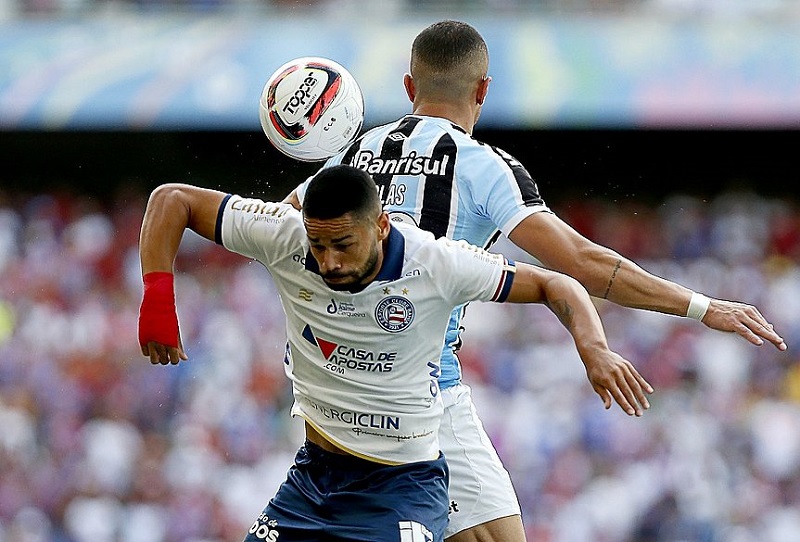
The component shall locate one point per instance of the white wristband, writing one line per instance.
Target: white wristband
(698, 306)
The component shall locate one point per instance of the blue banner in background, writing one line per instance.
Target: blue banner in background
(200, 73)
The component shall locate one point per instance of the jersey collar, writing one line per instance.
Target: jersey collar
(392, 266)
(439, 120)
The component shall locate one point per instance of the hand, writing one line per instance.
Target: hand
(159, 331)
(163, 354)
(612, 376)
(742, 319)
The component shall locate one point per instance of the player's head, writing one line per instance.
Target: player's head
(345, 226)
(449, 63)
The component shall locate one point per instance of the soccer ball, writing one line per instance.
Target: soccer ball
(311, 108)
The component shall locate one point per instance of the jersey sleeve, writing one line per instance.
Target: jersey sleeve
(470, 273)
(505, 192)
(258, 229)
(300, 191)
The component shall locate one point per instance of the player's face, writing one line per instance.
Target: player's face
(348, 252)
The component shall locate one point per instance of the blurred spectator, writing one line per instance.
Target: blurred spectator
(98, 445)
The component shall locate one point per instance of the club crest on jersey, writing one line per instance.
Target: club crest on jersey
(394, 313)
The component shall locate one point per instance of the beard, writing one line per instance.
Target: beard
(353, 280)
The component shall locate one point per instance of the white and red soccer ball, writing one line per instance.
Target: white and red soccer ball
(311, 108)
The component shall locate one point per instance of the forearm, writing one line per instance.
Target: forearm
(608, 275)
(565, 297)
(602, 271)
(170, 210)
(165, 220)
(611, 376)
(570, 302)
(630, 286)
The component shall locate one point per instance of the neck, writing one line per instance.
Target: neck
(378, 264)
(462, 116)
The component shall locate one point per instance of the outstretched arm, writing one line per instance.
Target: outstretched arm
(170, 210)
(611, 376)
(608, 275)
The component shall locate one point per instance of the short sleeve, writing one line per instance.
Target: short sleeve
(259, 229)
(470, 273)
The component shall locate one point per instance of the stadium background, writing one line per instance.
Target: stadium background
(666, 129)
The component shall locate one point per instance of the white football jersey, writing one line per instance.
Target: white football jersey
(432, 173)
(364, 366)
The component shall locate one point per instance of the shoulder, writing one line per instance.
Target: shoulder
(253, 217)
(494, 155)
(423, 245)
(378, 132)
(259, 210)
(415, 237)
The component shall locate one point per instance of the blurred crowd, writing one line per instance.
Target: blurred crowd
(669, 8)
(98, 445)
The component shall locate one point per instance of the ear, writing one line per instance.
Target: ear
(483, 90)
(384, 225)
(411, 91)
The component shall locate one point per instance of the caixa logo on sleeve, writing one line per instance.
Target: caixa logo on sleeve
(394, 313)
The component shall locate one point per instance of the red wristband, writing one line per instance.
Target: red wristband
(158, 318)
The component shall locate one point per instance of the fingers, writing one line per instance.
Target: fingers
(604, 396)
(757, 333)
(744, 320)
(638, 386)
(620, 398)
(160, 354)
(182, 353)
(627, 388)
(644, 384)
(762, 330)
(626, 400)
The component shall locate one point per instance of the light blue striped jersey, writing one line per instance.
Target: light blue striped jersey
(431, 172)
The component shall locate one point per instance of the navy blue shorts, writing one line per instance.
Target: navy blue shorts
(331, 497)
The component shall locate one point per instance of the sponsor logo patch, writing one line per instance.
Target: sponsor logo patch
(305, 294)
(342, 357)
(265, 529)
(405, 218)
(344, 308)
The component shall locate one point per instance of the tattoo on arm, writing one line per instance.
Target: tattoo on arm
(563, 311)
(613, 276)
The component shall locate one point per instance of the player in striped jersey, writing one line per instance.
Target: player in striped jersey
(364, 378)
(430, 170)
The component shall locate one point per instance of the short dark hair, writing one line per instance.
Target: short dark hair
(447, 58)
(342, 189)
(447, 45)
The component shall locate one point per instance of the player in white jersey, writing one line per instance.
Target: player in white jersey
(429, 169)
(364, 376)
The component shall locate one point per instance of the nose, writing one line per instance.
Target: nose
(329, 262)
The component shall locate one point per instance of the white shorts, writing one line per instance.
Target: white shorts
(480, 487)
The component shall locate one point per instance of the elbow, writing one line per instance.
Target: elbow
(168, 196)
(165, 192)
(596, 268)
